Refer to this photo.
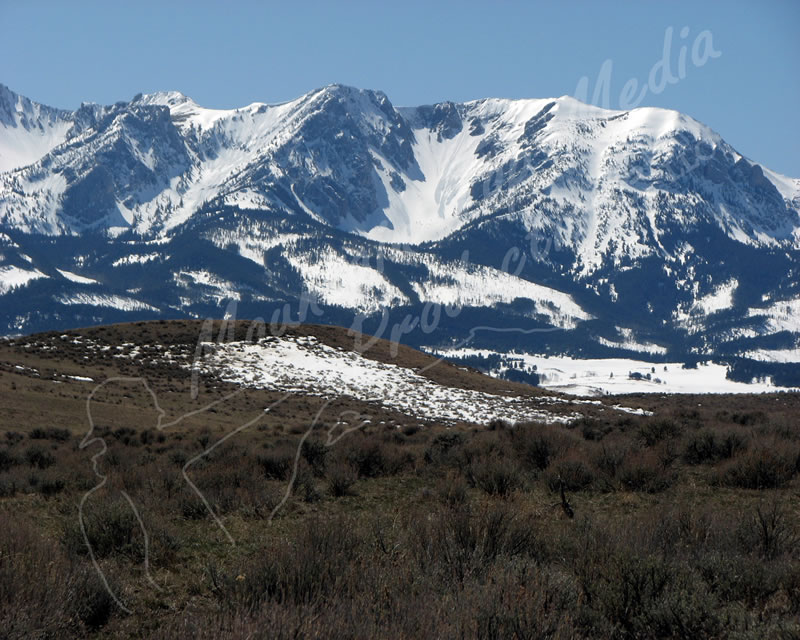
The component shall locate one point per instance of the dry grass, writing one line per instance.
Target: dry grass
(685, 524)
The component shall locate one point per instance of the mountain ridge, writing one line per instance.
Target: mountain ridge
(614, 228)
(234, 161)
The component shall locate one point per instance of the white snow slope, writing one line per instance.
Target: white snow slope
(300, 364)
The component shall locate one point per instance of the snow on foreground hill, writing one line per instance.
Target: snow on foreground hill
(381, 381)
(301, 364)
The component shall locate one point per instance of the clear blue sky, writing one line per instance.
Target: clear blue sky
(231, 54)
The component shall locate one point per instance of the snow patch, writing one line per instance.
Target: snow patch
(123, 303)
(336, 281)
(74, 277)
(719, 300)
(12, 277)
(783, 315)
(137, 258)
(301, 364)
(775, 355)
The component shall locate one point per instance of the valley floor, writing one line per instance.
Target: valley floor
(603, 376)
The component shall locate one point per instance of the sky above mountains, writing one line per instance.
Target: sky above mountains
(732, 66)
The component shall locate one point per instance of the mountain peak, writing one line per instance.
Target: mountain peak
(164, 98)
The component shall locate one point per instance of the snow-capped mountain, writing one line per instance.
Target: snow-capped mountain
(618, 228)
(28, 130)
(350, 159)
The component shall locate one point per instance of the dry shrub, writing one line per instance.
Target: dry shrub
(657, 430)
(452, 489)
(13, 437)
(608, 458)
(444, 448)
(461, 543)
(643, 471)
(592, 429)
(764, 467)
(369, 457)
(537, 445)
(277, 463)
(495, 474)
(113, 530)
(320, 560)
(572, 470)
(710, 446)
(44, 594)
(769, 530)
(8, 460)
(315, 453)
(39, 457)
(50, 433)
(341, 478)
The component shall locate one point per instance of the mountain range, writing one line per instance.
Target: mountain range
(544, 226)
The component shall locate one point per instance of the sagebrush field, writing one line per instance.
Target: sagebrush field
(684, 524)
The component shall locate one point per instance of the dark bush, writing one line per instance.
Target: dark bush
(701, 448)
(592, 429)
(315, 452)
(410, 429)
(39, 457)
(575, 474)
(304, 485)
(13, 437)
(93, 603)
(51, 485)
(763, 468)
(708, 446)
(368, 458)
(655, 431)
(498, 424)
(609, 459)
(459, 543)
(443, 446)
(178, 457)
(730, 443)
(50, 433)
(769, 529)
(645, 473)
(749, 418)
(112, 529)
(7, 460)
(537, 445)
(8, 486)
(494, 474)
(341, 478)
(126, 435)
(43, 594)
(277, 463)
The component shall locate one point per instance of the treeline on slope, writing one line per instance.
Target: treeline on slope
(783, 374)
(491, 364)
